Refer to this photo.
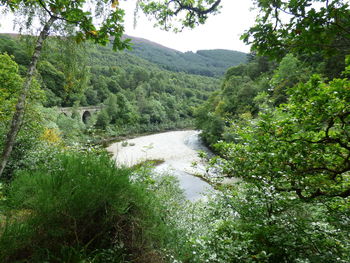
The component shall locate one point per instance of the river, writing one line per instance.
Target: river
(178, 150)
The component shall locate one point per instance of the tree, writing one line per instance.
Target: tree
(62, 14)
(209, 120)
(178, 14)
(289, 72)
(53, 82)
(10, 86)
(308, 26)
(10, 81)
(112, 108)
(103, 119)
(99, 25)
(301, 147)
(11, 47)
(126, 111)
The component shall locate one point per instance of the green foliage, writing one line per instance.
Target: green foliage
(237, 97)
(289, 72)
(10, 82)
(149, 100)
(293, 160)
(311, 26)
(316, 30)
(212, 63)
(80, 207)
(245, 223)
(102, 120)
(29, 142)
(179, 14)
(72, 128)
(14, 48)
(211, 123)
(53, 83)
(300, 147)
(73, 13)
(63, 71)
(119, 111)
(138, 95)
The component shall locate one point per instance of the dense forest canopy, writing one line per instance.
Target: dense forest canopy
(69, 76)
(212, 63)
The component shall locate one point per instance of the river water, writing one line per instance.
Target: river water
(178, 149)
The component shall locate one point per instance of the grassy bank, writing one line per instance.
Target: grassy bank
(82, 209)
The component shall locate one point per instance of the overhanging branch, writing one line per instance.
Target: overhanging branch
(196, 10)
(42, 4)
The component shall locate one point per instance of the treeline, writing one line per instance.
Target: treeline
(138, 95)
(246, 89)
(211, 63)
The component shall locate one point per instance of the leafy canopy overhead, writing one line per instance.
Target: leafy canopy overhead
(178, 14)
(305, 26)
(101, 20)
(99, 24)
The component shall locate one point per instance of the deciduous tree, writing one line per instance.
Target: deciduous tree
(61, 14)
(301, 147)
(306, 26)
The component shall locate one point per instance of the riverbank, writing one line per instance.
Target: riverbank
(160, 146)
(178, 150)
(106, 141)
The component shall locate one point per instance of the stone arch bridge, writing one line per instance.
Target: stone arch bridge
(84, 112)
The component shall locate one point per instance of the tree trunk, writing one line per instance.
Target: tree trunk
(17, 118)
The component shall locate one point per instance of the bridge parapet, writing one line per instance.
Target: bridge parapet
(84, 112)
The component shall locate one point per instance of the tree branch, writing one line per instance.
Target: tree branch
(42, 4)
(198, 11)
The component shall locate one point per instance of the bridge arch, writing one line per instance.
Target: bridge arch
(84, 112)
(86, 116)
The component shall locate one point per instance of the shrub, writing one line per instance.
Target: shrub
(248, 224)
(81, 206)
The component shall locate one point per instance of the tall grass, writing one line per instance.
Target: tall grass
(81, 209)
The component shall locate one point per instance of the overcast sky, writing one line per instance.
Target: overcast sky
(220, 32)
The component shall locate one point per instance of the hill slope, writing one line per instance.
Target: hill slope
(203, 62)
(139, 95)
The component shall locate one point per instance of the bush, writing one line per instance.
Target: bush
(81, 206)
(248, 224)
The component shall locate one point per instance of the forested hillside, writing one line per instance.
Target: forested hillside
(212, 63)
(144, 96)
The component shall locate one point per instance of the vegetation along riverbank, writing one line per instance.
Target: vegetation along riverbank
(277, 120)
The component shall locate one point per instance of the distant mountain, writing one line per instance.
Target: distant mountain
(99, 72)
(211, 63)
